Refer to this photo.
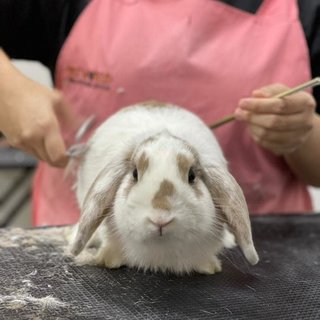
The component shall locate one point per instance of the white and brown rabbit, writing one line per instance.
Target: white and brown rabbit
(155, 182)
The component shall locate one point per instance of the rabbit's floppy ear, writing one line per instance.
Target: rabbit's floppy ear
(229, 199)
(98, 202)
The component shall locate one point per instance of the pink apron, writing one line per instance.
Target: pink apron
(203, 55)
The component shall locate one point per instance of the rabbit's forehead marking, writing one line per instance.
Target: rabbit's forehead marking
(142, 163)
(161, 198)
(184, 163)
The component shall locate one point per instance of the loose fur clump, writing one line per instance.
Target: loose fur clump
(159, 196)
(19, 301)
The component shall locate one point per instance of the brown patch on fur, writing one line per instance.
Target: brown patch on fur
(196, 158)
(128, 159)
(142, 164)
(160, 200)
(184, 165)
(154, 103)
(149, 104)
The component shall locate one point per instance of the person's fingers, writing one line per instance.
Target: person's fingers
(50, 148)
(40, 151)
(61, 108)
(279, 142)
(267, 105)
(29, 143)
(300, 102)
(270, 90)
(297, 121)
(33, 149)
(278, 149)
(261, 134)
(55, 149)
(280, 125)
(67, 118)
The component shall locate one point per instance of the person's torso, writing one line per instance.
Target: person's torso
(203, 55)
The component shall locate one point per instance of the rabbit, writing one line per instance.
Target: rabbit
(155, 181)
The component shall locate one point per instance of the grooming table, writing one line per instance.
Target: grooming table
(14, 194)
(39, 281)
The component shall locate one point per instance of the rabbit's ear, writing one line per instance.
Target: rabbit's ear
(229, 200)
(98, 203)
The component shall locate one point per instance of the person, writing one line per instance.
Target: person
(211, 57)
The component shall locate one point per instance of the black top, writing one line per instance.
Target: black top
(36, 29)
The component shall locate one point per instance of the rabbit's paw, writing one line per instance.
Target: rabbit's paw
(110, 257)
(211, 267)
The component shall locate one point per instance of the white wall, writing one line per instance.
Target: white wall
(315, 193)
(34, 70)
(38, 72)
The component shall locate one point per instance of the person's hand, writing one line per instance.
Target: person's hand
(29, 115)
(279, 125)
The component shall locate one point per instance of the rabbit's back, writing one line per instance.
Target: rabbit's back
(135, 124)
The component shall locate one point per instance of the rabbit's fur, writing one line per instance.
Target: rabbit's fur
(156, 177)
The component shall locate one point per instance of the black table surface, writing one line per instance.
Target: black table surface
(38, 280)
(15, 158)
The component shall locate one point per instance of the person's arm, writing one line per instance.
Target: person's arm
(305, 161)
(287, 127)
(28, 115)
(309, 12)
(34, 30)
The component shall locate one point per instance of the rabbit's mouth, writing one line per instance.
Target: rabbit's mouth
(161, 226)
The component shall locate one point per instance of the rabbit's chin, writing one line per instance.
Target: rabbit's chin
(167, 254)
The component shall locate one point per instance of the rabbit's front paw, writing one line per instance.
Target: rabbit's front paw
(111, 257)
(210, 267)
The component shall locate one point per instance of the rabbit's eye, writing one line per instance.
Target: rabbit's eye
(191, 176)
(135, 174)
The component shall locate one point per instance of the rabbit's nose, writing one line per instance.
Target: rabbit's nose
(161, 223)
